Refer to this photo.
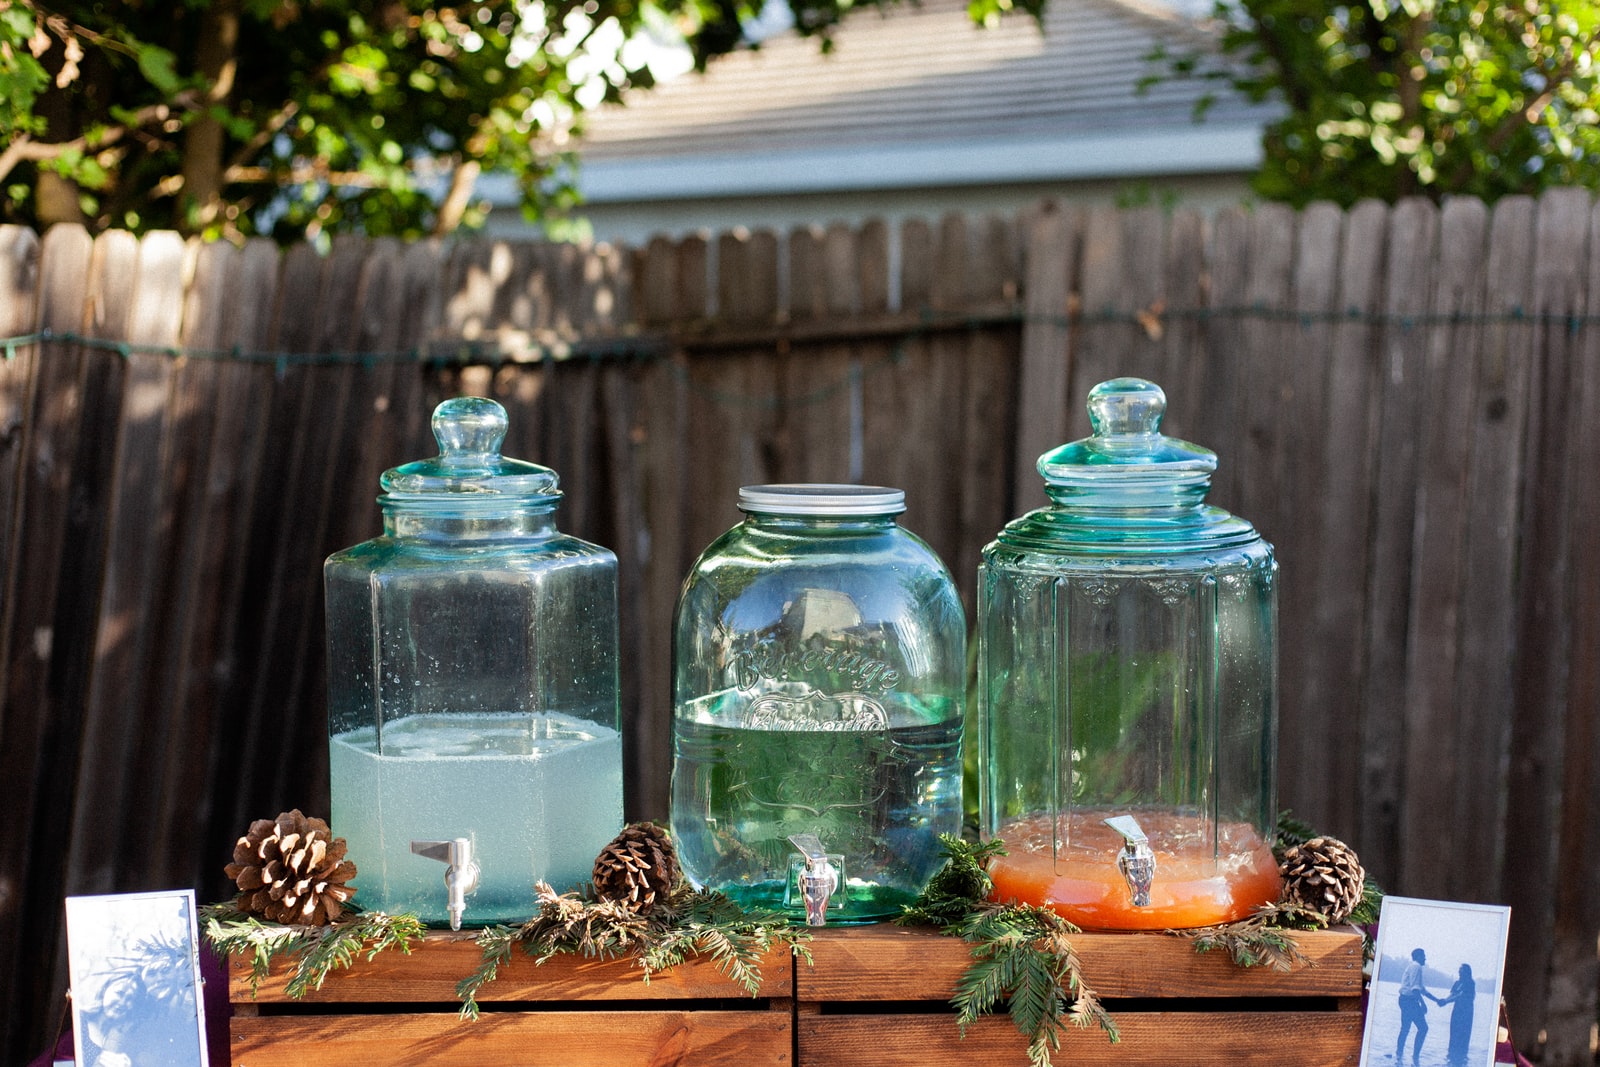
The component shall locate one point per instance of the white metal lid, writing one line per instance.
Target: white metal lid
(821, 499)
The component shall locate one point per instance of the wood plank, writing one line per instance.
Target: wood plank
(1182, 327)
(429, 974)
(1148, 1039)
(1045, 359)
(989, 273)
(541, 1039)
(19, 286)
(1496, 428)
(1435, 748)
(1305, 728)
(1574, 971)
(1214, 417)
(253, 747)
(910, 402)
(890, 963)
(1413, 238)
(818, 419)
(40, 721)
(1261, 450)
(1544, 622)
(173, 777)
(117, 741)
(658, 441)
(1323, 670)
(215, 661)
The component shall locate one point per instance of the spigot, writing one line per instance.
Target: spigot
(818, 878)
(1136, 860)
(460, 877)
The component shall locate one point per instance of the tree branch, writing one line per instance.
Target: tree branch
(24, 149)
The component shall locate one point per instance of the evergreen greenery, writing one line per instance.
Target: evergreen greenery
(314, 951)
(690, 923)
(1021, 955)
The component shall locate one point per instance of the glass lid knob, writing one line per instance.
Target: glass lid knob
(1126, 406)
(469, 428)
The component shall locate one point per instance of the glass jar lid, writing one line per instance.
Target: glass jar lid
(1128, 488)
(469, 468)
(821, 500)
(1127, 462)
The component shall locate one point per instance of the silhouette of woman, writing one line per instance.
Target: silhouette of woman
(1461, 995)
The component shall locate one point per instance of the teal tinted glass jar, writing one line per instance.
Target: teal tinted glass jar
(472, 686)
(1127, 680)
(818, 665)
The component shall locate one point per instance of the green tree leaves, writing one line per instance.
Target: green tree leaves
(1433, 97)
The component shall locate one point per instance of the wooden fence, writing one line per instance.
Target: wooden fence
(1406, 401)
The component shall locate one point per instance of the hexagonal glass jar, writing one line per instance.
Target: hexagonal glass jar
(1127, 669)
(472, 685)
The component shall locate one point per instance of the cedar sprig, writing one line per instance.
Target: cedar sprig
(1022, 956)
(687, 924)
(314, 951)
(1261, 939)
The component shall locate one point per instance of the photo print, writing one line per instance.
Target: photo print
(1434, 1000)
(135, 966)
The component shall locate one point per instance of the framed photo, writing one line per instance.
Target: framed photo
(1434, 1000)
(136, 994)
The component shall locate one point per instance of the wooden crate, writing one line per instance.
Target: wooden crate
(878, 997)
(875, 995)
(401, 1011)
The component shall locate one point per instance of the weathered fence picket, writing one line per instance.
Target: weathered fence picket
(1404, 399)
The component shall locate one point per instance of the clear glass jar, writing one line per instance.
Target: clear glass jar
(819, 658)
(472, 686)
(1127, 668)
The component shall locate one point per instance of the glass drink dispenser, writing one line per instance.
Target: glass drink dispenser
(472, 686)
(1127, 685)
(819, 657)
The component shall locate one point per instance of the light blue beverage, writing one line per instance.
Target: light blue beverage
(538, 795)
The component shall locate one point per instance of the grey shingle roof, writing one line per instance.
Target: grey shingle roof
(922, 74)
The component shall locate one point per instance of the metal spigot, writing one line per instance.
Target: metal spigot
(818, 878)
(460, 877)
(1136, 860)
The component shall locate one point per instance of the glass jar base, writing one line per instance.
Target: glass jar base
(863, 902)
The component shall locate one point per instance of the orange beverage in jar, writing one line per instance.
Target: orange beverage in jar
(1201, 879)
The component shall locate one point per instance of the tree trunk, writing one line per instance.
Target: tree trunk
(216, 62)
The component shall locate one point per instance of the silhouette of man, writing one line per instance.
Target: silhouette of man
(1413, 1010)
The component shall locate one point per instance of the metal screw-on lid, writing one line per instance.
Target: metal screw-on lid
(821, 499)
(470, 431)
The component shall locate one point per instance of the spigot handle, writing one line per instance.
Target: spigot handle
(818, 880)
(460, 876)
(1136, 859)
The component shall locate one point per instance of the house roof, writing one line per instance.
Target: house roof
(919, 96)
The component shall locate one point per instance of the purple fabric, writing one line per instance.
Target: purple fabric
(218, 1012)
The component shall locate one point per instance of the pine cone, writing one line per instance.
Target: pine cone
(1325, 875)
(292, 870)
(638, 865)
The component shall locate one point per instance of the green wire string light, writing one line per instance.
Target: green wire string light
(925, 323)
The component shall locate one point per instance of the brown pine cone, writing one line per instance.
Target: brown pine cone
(639, 865)
(292, 870)
(1325, 875)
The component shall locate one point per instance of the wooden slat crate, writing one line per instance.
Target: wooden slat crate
(401, 1011)
(876, 997)
(873, 996)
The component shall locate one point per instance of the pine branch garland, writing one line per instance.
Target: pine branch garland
(314, 951)
(686, 924)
